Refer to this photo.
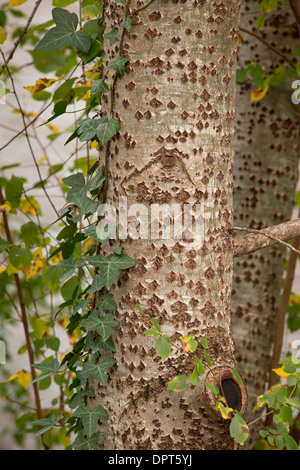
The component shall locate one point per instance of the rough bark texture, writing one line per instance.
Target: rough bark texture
(265, 177)
(176, 107)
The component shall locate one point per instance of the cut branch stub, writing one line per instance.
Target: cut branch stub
(234, 393)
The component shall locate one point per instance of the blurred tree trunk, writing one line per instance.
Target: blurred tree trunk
(265, 177)
(176, 104)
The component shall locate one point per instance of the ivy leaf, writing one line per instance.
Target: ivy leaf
(48, 369)
(90, 418)
(119, 65)
(3, 244)
(127, 23)
(106, 129)
(99, 86)
(97, 371)
(239, 429)
(103, 325)
(109, 266)
(87, 129)
(64, 33)
(96, 285)
(81, 443)
(46, 423)
(107, 303)
(163, 347)
(112, 37)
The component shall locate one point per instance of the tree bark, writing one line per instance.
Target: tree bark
(176, 105)
(265, 178)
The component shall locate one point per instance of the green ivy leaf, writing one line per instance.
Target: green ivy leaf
(64, 33)
(97, 371)
(112, 37)
(99, 86)
(127, 23)
(118, 65)
(106, 129)
(81, 443)
(90, 418)
(103, 325)
(3, 244)
(109, 266)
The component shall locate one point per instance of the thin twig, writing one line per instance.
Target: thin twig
(277, 51)
(17, 42)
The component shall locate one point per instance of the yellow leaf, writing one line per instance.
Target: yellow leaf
(30, 206)
(5, 207)
(23, 378)
(41, 160)
(94, 144)
(36, 264)
(16, 3)
(3, 35)
(281, 372)
(53, 128)
(225, 411)
(258, 94)
(75, 335)
(41, 84)
(2, 269)
(294, 300)
(11, 269)
(240, 39)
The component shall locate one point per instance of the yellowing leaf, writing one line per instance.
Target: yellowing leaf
(2, 269)
(41, 84)
(281, 372)
(258, 94)
(41, 160)
(11, 269)
(294, 300)
(240, 39)
(36, 265)
(30, 206)
(54, 129)
(188, 343)
(23, 378)
(225, 411)
(5, 207)
(75, 335)
(94, 144)
(3, 35)
(16, 3)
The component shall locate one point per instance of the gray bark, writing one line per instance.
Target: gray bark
(265, 177)
(176, 104)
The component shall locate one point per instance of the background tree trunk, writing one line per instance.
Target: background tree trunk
(176, 104)
(265, 177)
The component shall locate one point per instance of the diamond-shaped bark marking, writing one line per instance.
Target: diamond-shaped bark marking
(169, 52)
(184, 115)
(138, 115)
(155, 103)
(191, 264)
(179, 307)
(171, 105)
(209, 273)
(205, 95)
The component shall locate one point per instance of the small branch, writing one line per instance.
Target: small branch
(272, 48)
(281, 313)
(296, 10)
(17, 42)
(257, 239)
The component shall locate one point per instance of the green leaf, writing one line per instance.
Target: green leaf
(237, 376)
(290, 443)
(29, 234)
(96, 285)
(90, 418)
(103, 325)
(112, 37)
(213, 388)
(98, 370)
(151, 332)
(3, 244)
(239, 429)
(241, 75)
(81, 443)
(48, 369)
(178, 384)
(107, 303)
(93, 28)
(87, 129)
(163, 347)
(51, 278)
(13, 190)
(64, 33)
(118, 65)
(203, 343)
(127, 23)
(109, 266)
(20, 257)
(106, 129)
(260, 21)
(155, 324)
(98, 86)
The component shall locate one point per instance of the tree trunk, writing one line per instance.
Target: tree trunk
(176, 105)
(265, 177)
